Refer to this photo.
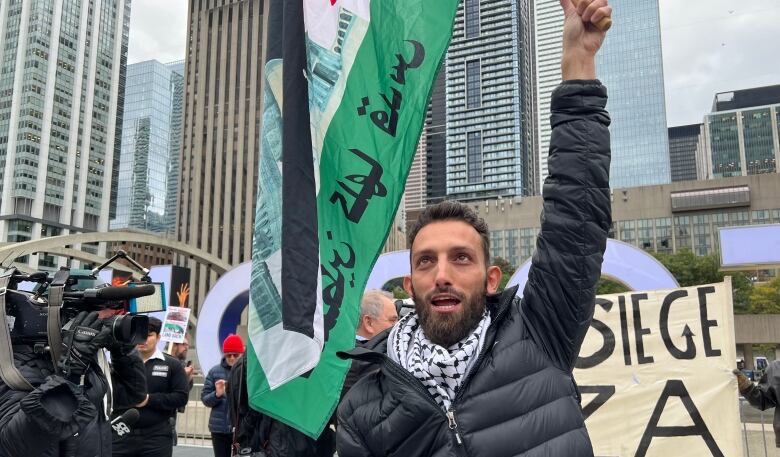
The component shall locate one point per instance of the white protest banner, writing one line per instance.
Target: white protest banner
(175, 325)
(655, 374)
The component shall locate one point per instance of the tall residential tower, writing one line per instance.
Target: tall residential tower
(490, 122)
(61, 88)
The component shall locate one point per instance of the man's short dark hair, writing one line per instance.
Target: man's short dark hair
(451, 210)
(155, 325)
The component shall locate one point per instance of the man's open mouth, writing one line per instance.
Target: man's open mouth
(445, 303)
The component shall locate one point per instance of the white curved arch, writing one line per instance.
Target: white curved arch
(13, 250)
(623, 262)
(229, 289)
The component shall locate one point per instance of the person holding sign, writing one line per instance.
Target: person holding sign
(765, 394)
(472, 372)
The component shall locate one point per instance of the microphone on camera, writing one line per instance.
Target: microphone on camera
(113, 293)
(121, 425)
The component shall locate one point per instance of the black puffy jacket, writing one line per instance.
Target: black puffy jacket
(42, 422)
(259, 432)
(520, 398)
(766, 395)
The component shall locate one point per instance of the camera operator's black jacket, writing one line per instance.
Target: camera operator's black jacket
(42, 422)
(766, 395)
(520, 397)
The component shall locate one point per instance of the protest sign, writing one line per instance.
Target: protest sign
(655, 374)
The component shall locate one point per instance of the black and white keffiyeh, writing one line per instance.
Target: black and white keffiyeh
(441, 370)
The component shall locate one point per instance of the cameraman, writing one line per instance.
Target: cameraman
(67, 414)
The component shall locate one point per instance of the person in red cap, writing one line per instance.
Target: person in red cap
(214, 397)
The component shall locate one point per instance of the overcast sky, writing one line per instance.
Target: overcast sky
(709, 46)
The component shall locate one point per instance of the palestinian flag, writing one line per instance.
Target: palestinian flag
(345, 92)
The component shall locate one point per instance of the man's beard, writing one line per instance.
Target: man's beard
(447, 329)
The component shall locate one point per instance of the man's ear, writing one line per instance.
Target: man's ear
(493, 279)
(408, 285)
(365, 323)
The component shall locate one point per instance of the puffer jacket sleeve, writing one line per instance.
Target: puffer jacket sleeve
(33, 422)
(209, 393)
(349, 442)
(558, 299)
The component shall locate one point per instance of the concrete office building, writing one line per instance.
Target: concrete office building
(630, 65)
(222, 117)
(662, 218)
(61, 88)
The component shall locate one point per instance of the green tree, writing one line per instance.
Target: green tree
(692, 270)
(507, 270)
(765, 298)
(607, 286)
(399, 293)
(393, 283)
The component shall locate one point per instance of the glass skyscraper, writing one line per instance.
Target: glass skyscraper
(151, 142)
(61, 87)
(630, 64)
(490, 123)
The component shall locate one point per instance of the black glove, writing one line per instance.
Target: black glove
(116, 347)
(82, 337)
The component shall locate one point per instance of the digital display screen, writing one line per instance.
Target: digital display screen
(150, 303)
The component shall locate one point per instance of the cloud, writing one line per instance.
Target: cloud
(158, 30)
(709, 46)
(716, 46)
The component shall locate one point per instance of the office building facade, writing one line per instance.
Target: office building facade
(741, 136)
(490, 126)
(630, 64)
(436, 141)
(683, 141)
(666, 218)
(220, 147)
(61, 91)
(151, 143)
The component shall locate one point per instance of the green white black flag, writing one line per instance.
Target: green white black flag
(346, 88)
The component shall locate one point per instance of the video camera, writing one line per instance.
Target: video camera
(27, 312)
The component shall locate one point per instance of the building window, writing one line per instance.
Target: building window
(645, 234)
(776, 216)
(739, 218)
(663, 235)
(628, 231)
(682, 232)
(473, 90)
(474, 152)
(701, 234)
(512, 246)
(472, 18)
(761, 217)
(496, 243)
(757, 134)
(527, 243)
